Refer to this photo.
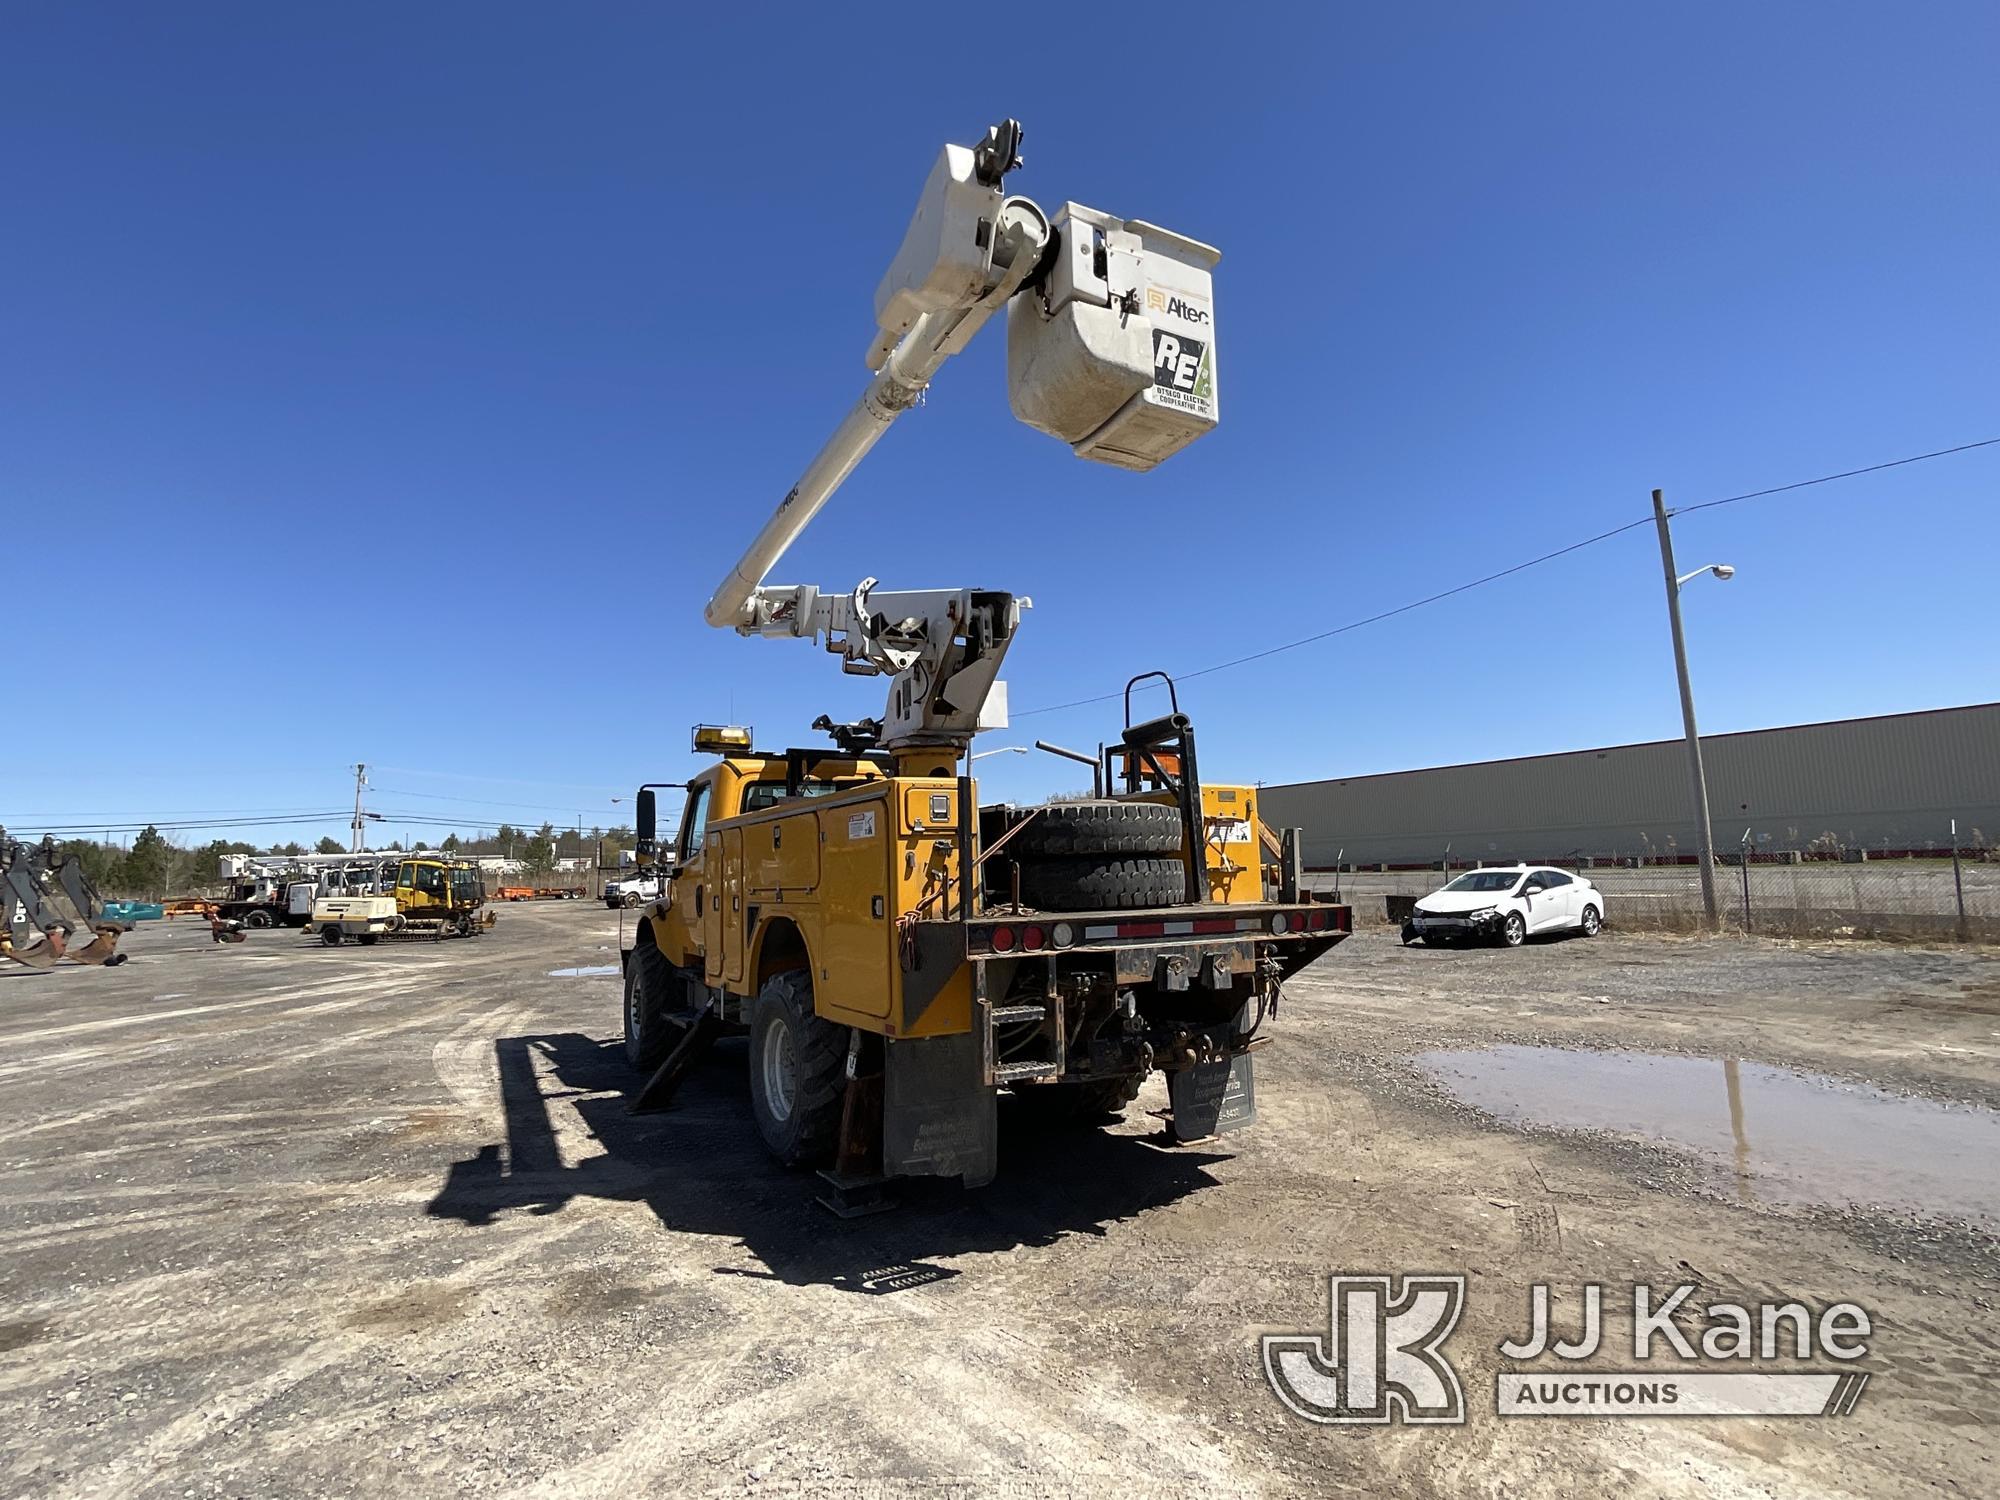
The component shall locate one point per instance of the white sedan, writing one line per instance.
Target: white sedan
(1507, 904)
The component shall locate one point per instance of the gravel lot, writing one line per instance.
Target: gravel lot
(290, 1221)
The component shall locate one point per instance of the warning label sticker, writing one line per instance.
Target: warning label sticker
(861, 825)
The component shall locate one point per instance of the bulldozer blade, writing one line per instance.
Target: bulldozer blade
(100, 949)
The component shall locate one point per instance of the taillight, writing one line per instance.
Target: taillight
(1003, 939)
(1063, 933)
(1032, 937)
(1279, 924)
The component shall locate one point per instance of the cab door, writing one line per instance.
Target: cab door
(1550, 910)
(690, 883)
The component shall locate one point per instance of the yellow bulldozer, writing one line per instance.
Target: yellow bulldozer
(433, 897)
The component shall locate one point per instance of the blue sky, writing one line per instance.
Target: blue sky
(392, 383)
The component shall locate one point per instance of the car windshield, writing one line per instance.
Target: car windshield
(1486, 880)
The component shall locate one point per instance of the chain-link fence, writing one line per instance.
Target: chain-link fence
(1934, 892)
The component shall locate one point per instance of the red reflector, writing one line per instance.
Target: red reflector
(1032, 937)
(1315, 919)
(1003, 939)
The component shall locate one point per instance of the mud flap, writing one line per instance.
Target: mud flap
(938, 1115)
(1213, 1097)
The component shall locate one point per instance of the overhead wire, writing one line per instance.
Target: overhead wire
(1533, 562)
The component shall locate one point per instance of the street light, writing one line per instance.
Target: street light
(1697, 777)
(998, 750)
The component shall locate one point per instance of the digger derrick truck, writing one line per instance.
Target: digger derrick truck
(897, 954)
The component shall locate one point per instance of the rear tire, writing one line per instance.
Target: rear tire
(257, 919)
(1057, 1105)
(632, 902)
(1592, 923)
(1103, 884)
(797, 1063)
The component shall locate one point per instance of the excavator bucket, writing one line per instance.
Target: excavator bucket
(101, 949)
(42, 955)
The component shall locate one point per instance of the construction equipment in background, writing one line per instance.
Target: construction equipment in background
(541, 893)
(431, 897)
(45, 894)
(898, 955)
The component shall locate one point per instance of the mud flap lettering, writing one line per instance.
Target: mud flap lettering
(1213, 1097)
(938, 1116)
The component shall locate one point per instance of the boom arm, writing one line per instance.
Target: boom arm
(1084, 364)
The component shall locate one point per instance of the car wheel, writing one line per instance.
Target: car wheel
(1515, 930)
(632, 902)
(1592, 922)
(1410, 934)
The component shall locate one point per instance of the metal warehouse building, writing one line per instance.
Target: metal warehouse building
(1893, 782)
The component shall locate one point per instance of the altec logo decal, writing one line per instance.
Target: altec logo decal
(1175, 306)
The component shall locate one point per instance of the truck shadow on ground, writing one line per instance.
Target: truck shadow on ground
(702, 1169)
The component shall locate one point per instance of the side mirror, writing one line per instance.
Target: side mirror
(647, 824)
(1532, 889)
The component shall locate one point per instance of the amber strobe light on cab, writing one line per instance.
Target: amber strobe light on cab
(721, 739)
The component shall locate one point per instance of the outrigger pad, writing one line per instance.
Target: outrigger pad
(938, 1116)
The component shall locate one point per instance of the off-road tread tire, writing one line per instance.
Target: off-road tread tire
(649, 1035)
(808, 1138)
(1097, 884)
(1100, 827)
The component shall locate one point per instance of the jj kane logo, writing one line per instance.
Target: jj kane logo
(1382, 1363)
(1382, 1358)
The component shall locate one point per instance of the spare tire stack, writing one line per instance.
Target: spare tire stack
(1092, 855)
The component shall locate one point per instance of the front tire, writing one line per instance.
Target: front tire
(649, 986)
(257, 919)
(797, 1060)
(1592, 923)
(1514, 931)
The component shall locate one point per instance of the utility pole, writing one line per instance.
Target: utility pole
(1697, 778)
(361, 781)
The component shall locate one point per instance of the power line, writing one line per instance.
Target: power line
(539, 807)
(170, 826)
(1533, 562)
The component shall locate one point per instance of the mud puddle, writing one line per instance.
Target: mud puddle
(1787, 1137)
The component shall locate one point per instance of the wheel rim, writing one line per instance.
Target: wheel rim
(634, 1002)
(1516, 930)
(1590, 920)
(780, 1066)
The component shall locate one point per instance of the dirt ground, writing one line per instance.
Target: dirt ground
(282, 1220)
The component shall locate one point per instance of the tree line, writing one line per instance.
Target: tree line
(155, 868)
